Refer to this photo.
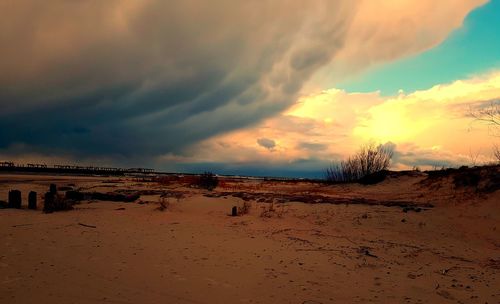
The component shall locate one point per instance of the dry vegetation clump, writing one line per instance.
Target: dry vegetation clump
(205, 180)
(272, 210)
(496, 153)
(222, 183)
(164, 199)
(367, 166)
(245, 209)
(55, 202)
(166, 180)
(241, 184)
(189, 180)
(231, 185)
(469, 179)
(122, 196)
(374, 178)
(483, 179)
(208, 181)
(164, 204)
(178, 196)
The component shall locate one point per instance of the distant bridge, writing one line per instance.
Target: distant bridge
(8, 166)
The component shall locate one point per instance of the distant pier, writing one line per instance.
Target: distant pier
(7, 166)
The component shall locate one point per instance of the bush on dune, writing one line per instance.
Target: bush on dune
(367, 166)
(208, 181)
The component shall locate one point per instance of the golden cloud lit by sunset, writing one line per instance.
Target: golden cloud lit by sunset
(331, 125)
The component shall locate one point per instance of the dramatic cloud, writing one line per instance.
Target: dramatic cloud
(150, 77)
(430, 128)
(384, 30)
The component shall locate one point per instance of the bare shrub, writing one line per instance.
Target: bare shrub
(164, 204)
(208, 181)
(467, 178)
(271, 210)
(473, 156)
(222, 183)
(181, 179)
(368, 160)
(496, 152)
(56, 202)
(437, 167)
(489, 115)
(178, 196)
(167, 180)
(245, 209)
(172, 194)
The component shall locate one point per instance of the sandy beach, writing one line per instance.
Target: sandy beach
(273, 152)
(290, 252)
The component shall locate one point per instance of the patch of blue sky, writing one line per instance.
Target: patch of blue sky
(472, 49)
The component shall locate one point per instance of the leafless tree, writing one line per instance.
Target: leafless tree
(489, 115)
(473, 156)
(496, 152)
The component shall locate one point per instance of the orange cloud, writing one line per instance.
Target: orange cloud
(430, 126)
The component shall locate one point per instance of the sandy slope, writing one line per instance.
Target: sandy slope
(304, 253)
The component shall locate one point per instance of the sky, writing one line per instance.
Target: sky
(274, 88)
(471, 49)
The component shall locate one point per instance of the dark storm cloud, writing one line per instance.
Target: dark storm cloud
(144, 78)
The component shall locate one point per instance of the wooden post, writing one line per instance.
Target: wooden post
(32, 200)
(53, 189)
(49, 203)
(14, 199)
(10, 201)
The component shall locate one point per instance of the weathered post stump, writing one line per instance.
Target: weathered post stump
(14, 199)
(53, 189)
(32, 200)
(49, 203)
(74, 195)
(234, 211)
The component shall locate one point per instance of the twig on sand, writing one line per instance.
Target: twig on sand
(318, 249)
(85, 225)
(21, 225)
